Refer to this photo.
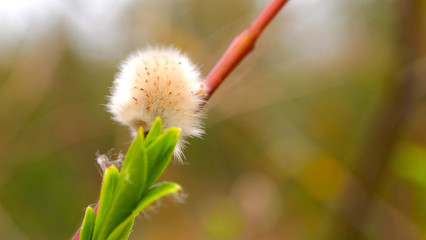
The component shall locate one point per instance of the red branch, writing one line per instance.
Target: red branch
(240, 47)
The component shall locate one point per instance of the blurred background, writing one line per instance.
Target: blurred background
(320, 133)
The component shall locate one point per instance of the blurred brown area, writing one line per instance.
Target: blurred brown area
(318, 134)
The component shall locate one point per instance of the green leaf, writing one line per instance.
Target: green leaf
(124, 195)
(122, 232)
(160, 153)
(109, 186)
(88, 224)
(131, 186)
(135, 167)
(154, 132)
(156, 192)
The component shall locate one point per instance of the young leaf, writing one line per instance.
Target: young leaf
(156, 192)
(135, 166)
(131, 186)
(160, 153)
(109, 186)
(124, 195)
(154, 132)
(88, 224)
(122, 232)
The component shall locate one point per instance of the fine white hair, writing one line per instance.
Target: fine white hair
(158, 82)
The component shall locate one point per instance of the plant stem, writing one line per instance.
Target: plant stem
(240, 47)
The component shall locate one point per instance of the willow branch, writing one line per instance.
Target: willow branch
(240, 47)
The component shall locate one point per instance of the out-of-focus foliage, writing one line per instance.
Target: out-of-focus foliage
(283, 131)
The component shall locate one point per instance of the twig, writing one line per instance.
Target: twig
(240, 47)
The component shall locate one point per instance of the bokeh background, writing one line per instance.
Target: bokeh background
(319, 134)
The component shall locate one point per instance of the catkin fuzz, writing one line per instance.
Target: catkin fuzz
(158, 82)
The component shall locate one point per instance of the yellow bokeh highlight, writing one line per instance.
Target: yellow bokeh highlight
(323, 178)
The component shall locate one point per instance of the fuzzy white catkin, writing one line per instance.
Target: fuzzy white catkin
(158, 82)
